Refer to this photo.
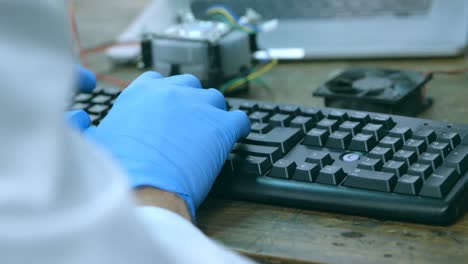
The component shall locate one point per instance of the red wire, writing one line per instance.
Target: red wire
(105, 46)
(82, 52)
(76, 36)
(450, 71)
(112, 80)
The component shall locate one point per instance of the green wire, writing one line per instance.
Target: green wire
(225, 86)
(262, 83)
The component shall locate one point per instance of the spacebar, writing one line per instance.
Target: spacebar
(283, 137)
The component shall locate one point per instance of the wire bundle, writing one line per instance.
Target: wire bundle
(256, 73)
(226, 15)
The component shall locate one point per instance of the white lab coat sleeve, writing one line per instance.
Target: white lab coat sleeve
(61, 199)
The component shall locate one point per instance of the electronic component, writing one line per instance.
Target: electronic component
(212, 51)
(377, 90)
(362, 163)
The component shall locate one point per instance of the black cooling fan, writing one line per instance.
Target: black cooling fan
(377, 90)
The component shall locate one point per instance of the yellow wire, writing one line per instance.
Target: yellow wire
(253, 75)
(222, 12)
(229, 17)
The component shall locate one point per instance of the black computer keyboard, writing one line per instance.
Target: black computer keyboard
(97, 103)
(359, 163)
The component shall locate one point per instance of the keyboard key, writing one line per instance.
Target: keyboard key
(385, 120)
(316, 137)
(404, 133)
(283, 137)
(416, 145)
(432, 159)
(249, 164)
(303, 122)
(377, 130)
(111, 91)
(370, 164)
(289, 109)
(280, 120)
(260, 117)
(458, 159)
(260, 128)
(283, 169)
(384, 154)
(100, 99)
(350, 126)
(362, 142)
(421, 170)
(306, 172)
(249, 106)
(338, 115)
(315, 114)
(270, 108)
(332, 175)
(94, 118)
(328, 124)
(321, 158)
(97, 90)
(273, 153)
(371, 180)
(439, 183)
(450, 137)
(396, 167)
(97, 109)
(428, 135)
(79, 106)
(339, 140)
(408, 184)
(363, 118)
(406, 156)
(393, 143)
(82, 97)
(440, 148)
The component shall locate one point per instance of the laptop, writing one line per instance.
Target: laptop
(336, 29)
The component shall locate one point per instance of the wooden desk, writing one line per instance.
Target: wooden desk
(285, 235)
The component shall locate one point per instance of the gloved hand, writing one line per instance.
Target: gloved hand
(170, 134)
(79, 119)
(86, 79)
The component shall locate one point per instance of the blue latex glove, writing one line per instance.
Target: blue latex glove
(170, 134)
(79, 119)
(86, 79)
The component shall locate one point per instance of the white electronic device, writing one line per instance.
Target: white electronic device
(323, 29)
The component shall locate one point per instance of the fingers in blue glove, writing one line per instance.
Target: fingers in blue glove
(150, 75)
(240, 123)
(208, 96)
(169, 136)
(78, 119)
(181, 80)
(185, 80)
(86, 79)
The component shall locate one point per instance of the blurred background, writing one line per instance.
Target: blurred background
(313, 40)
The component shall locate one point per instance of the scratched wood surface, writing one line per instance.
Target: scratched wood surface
(273, 234)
